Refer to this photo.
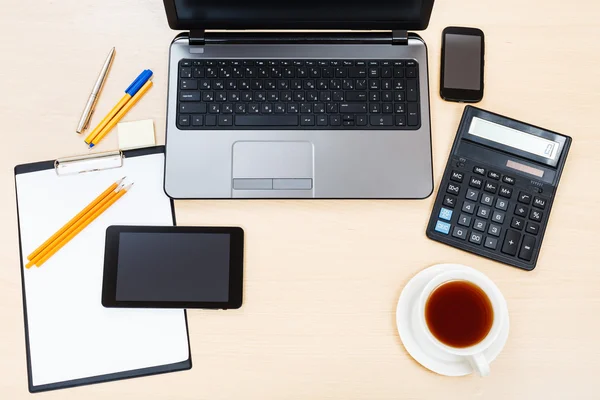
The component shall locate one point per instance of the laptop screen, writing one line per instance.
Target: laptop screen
(289, 14)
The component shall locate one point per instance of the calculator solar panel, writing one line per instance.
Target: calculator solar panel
(498, 188)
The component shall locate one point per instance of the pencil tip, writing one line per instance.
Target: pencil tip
(128, 186)
(121, 180)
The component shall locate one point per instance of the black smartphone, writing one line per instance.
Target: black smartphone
(461, 77)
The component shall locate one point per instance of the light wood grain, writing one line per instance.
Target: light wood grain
(323, 277)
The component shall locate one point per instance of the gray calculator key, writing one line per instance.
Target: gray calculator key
(498, 216)
(479, 225)
(468, 207)
(459, 232)
(483, 212)
(491, 243)
(464, 220)
(487, 199)
(502, 204)
(494, 230)
(475, 238)
(472, 194)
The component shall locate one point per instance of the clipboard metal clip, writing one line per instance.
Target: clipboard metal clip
(88, 163)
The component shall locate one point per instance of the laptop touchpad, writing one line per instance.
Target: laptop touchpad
(272, 165)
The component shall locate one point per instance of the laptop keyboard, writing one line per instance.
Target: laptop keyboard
(298, 94)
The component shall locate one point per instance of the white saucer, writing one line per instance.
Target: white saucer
(421, 349)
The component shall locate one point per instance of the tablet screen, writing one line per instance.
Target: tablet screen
(173, 267)
(183, 267)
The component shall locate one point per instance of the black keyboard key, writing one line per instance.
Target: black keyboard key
(494, 175)
(511, 242)
(517, 223)
(192, 108)
(266, 120)
(453, 189)
(321, 120)
(457, 176)
(225, 120)
(400, 120)
(536, 215)
(185, 72)
(185, 63)
(361, 120)
(411, 72)
(307, 120)
(210, 120)
(532, 228)
(526, 252)
(508, 179)
(476, 182)
(539, 202)
(208, 96)
(198, 72)
(398, 72)
(490, 187)
(266, 108)
(335, 120)
(411, 90)
(521, 211)
(348, 123)
(479, 170)
(197, 120)
(413, 114)
(184, 120)
(374, 108)
(449, 201)
(524, 198)
(353, 108)
(505, 192)
(381, 120)
(189, 96)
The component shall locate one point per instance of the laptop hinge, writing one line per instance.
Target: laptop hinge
(197, 38)
(399, 37)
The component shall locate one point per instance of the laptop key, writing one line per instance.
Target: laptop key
(353, 108)
(266, 120)
(307, 120)
(189, 96)
(381, 120)
(321, 120)
(225, 120)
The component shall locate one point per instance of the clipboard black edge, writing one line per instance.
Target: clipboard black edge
(161, 369)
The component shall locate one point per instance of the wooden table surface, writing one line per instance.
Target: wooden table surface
(323, 277)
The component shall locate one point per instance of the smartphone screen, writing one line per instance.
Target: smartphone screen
(462, 64)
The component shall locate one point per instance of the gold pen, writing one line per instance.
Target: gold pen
(86, 116)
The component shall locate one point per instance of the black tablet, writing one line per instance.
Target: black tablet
(173, 267)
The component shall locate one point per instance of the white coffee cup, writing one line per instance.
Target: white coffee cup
(474, 354)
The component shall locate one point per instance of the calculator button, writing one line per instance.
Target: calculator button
(524, 198)
(490, 187)
(468, 207)
(479, 170)
(449, 201)
(493, 175)
(539, 202)
(464, 220)
(536, 215)
(445, 213)
(459, 232)
(479, 225)
(531, 227)
(521, 211)
(453, 189)
(491, 243)
(487, 199)
(508, 179)
(483, 212)
(526, 251)
(517, 223)
(475, 182)
(505, 192)
(472, 194)
(457, 176)
(442, 227)
(475, 238)
(494, 230)
(502, 204)
(511, 241)
(498, 216)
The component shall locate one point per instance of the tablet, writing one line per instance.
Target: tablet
(173, 267)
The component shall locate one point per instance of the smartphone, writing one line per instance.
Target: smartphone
(461, 77)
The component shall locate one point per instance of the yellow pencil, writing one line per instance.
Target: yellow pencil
(121, 113)
(107, 119)
(75, 219)
(88, 220)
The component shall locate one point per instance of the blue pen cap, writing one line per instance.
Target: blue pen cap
(138, 82)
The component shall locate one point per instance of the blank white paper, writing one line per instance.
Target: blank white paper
(71, 335)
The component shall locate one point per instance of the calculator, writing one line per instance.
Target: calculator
(498, 187)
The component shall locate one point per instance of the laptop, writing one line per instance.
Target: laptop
(339, 112)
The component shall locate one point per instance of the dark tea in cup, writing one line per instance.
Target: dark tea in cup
(459, 314)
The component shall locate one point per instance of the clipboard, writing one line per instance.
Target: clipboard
(71, 340)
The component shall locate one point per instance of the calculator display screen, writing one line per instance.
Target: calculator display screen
(514, 138)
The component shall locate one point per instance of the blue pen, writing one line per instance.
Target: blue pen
(129, 93)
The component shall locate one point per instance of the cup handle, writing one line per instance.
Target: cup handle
(480, 364)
